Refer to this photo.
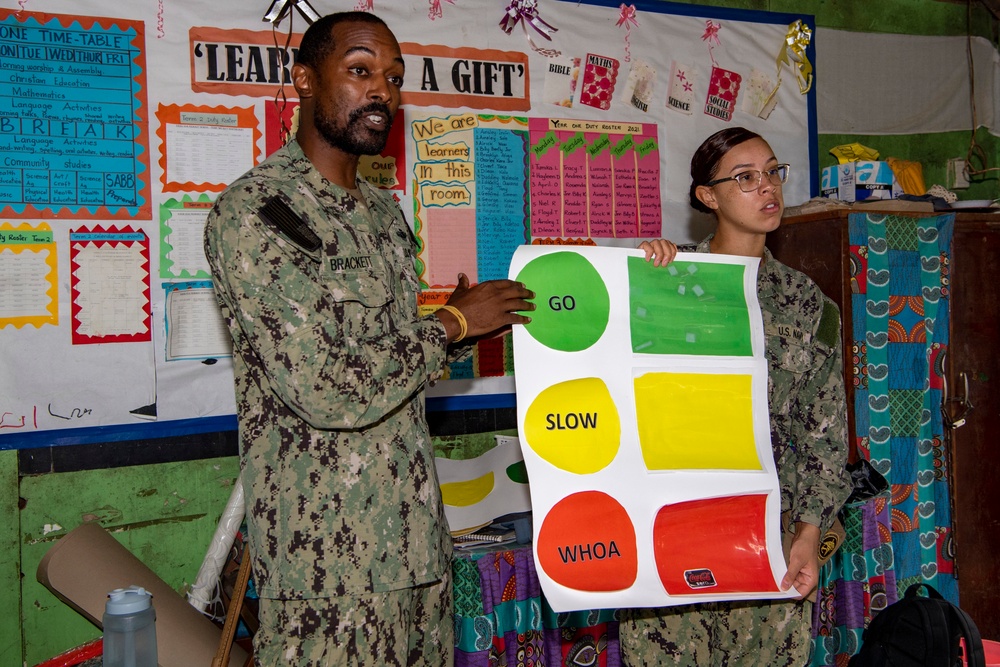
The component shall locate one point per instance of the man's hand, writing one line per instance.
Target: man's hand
(489, 307)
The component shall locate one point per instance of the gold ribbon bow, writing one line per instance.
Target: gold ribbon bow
(794, 51)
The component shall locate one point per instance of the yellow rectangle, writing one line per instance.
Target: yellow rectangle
(696, 421)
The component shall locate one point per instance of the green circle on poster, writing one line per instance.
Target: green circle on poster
(571, 301)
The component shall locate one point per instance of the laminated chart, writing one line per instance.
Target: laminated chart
(594, 179)
(643, 419)
(194, 325)
(182, 245)
(75, 117)
(28, 273)
(470, 205)
(205, 148)
(110, 285)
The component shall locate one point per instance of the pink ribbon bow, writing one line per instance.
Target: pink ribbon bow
(627, 16)
(711, 32)
(435, 11)
(527, 11)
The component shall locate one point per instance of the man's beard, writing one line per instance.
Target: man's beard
(354, 138)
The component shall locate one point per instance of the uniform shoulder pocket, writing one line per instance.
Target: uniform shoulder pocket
(828, 331)
(282, 219)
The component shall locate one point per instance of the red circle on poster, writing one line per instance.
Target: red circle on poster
(587, 543)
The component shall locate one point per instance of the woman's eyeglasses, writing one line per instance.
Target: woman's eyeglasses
(749, 180)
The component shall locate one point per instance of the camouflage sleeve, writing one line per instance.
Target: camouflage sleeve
(820, 431)
(289, 317)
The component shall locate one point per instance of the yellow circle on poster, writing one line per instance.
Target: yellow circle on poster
(574, 425)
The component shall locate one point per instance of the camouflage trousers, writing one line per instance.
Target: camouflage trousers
(718, 634)
(409, 627)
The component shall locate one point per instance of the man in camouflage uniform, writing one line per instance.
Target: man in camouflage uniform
(314, 270)
(736, 176)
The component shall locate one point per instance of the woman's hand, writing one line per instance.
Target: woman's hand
(803, 560)
(661, 251)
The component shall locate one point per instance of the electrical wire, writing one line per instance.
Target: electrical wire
(975, 150)
(280, 100)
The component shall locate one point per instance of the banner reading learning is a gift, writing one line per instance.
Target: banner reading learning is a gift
(643, 417)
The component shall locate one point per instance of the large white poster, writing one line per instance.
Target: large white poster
(642, 409)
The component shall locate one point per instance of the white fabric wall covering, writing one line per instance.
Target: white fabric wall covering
(875, 83)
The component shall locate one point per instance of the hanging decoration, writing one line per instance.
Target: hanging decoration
(760, 94)
(723, 84)
(435, 11)
(525, 12)
(793, 54)
(279, 9)
(600, 75)
(159, 19)
(627, 18)
(711, 33)
(365, 6)
(275, 14)
(680, 97)
(723, 89)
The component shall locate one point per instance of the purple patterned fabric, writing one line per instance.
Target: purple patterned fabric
(517, 628)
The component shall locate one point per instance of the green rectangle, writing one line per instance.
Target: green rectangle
(696, 308)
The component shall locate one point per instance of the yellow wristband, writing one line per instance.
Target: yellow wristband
(463, 326)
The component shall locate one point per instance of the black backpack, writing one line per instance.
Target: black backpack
(920, 631)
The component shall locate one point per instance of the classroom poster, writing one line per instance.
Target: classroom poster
(643, 417)
(28, 273)
(594, 179)
(469, 189)
(478, 490)
(77, 135)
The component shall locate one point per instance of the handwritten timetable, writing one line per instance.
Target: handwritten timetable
(73, 125)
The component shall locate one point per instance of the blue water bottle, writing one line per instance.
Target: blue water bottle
(129, 628)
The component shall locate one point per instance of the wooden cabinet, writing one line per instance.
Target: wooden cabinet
(975, 454)
(818, 245)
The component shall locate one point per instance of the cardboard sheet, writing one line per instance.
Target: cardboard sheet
(88, 563)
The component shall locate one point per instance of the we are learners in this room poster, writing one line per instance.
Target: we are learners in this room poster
(643, 416)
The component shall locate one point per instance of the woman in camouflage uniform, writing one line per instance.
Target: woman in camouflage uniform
(736, 176)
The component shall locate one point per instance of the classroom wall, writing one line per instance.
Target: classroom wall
(909, 17)
(164, 498)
